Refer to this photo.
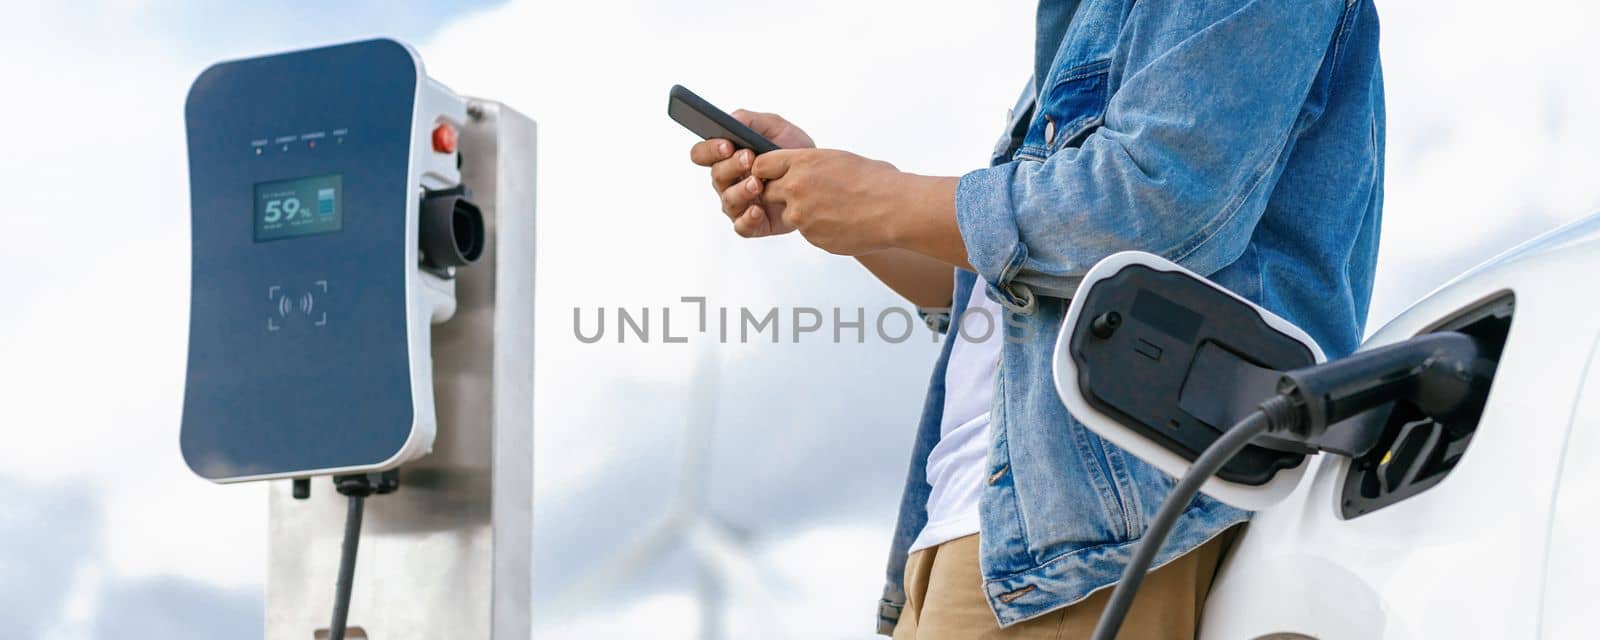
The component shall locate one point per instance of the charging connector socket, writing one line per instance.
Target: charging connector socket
(451, 230)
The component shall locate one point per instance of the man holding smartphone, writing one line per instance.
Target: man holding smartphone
(1242, 139)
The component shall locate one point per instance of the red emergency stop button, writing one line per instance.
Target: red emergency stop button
(444, 138)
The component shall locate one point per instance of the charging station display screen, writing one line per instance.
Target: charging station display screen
(298, 207)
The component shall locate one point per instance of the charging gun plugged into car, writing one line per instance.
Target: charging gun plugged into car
(332, 239)
(1229, 397)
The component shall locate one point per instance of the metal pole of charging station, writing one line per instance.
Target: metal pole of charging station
(449, 555)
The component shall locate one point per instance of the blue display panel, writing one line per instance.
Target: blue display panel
(298, 348)
(301, 207)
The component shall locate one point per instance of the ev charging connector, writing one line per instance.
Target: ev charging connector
(1443, 375)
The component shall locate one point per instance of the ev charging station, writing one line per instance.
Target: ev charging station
(362, 308)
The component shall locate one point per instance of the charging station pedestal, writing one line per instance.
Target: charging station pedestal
(449, 555)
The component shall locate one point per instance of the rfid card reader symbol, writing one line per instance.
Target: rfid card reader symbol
(288, 304)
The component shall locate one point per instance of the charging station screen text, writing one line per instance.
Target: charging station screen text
(298, 207)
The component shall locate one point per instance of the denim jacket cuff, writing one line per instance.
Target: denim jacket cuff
(988, 224)
(937, 319)
(889, 615)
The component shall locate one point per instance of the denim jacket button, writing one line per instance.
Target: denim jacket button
(1049, 131)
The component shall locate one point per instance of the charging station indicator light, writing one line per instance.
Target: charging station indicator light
(444, 138)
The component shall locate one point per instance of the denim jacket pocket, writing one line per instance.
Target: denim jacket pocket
(1119, 508)
(1073, 105)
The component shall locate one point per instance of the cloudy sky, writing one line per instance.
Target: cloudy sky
(1492, 140)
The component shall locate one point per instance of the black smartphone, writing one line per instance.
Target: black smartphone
(708, 122)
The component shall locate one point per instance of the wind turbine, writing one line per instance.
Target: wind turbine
(720, 552)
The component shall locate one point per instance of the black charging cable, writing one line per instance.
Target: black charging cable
(355, 488)
(1263, 420)
(1442, 374)
(347, 566)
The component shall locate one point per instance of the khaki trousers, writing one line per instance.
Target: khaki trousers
(944, 599)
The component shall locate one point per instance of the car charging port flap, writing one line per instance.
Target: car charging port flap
(451, 232)
(1164, 352)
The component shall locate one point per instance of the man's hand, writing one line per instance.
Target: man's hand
(752, 216)
(841, 202)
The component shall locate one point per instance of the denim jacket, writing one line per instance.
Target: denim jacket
(1242, 139)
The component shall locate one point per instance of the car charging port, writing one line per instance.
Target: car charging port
(1404, 450)
(451, 230)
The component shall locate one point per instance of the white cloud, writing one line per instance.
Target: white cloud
(96, 239)
(1491, 134)
(829, 579)
(667, 616)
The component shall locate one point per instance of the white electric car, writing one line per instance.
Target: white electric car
(1441, 531)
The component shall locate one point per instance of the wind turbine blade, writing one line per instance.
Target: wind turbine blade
(705, 386)
(716, 548)
(742, 538)
(645, 550)
(708, 589)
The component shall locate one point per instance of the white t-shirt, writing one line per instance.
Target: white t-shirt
(957, 464)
